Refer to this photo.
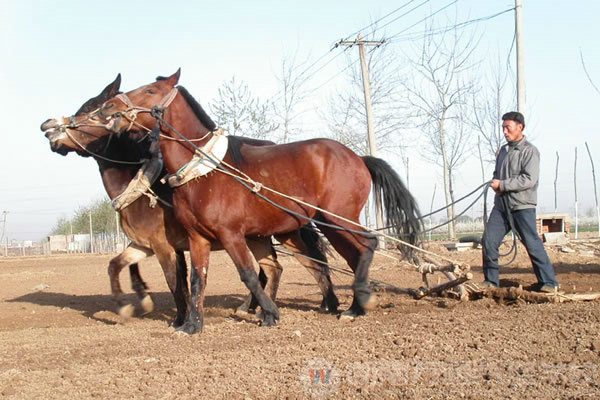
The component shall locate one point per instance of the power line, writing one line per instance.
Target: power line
(403, 15)
(395, 37)
(437, 31)
(422, 20)
(277, 95)
(379, 20)
(355, 61)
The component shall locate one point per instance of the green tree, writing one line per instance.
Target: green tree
(103, 219)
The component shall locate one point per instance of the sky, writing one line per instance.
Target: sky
(57, 54)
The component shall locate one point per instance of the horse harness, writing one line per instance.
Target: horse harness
(215, 150)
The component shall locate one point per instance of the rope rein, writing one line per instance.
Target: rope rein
(157, 112)
(256, 186)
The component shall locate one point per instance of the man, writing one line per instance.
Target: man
(515, 183)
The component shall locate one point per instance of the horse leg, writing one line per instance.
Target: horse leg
(175, 269)
(358, 252)
(269, 274)
(199, 252)
(139, 287)
(246, 265)
(305, 241)
(131, 255)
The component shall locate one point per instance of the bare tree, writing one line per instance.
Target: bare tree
(345, 115)
(240, 113)
(489, 103)
(291, 94)
(587, 74)
(438, 95)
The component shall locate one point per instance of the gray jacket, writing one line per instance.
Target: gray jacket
(518, 168)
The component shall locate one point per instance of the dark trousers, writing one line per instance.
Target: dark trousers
(524, 222)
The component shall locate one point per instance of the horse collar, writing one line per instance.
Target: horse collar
(205, 160)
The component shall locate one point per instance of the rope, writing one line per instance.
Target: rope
(245, 178)
(338, 270)
(157, 113)
(510, 221)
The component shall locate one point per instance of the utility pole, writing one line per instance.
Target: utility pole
(368, 108)
(91, 234)
(520, 60)
(3, 232)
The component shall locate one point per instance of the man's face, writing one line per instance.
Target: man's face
(513, 131)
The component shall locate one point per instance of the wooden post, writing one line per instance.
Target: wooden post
(575, 187)
(4, 232)
(520, 60)
(431, 210)
(595, 190)
(555, 180)
(91, 234)
(368, 108)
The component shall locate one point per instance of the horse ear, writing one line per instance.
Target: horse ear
(112, 89)
(173, 79)
(109, 92)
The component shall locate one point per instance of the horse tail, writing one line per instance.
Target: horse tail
(401, 209)
(317, 247)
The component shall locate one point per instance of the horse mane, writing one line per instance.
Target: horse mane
(235, 142)
(197, 108)
(235, 150)
(235, 147)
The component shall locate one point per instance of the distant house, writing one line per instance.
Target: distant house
(58, 243)
(69, 243)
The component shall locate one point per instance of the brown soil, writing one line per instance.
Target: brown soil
(65, 341)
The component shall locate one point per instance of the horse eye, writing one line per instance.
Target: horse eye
(150, 91)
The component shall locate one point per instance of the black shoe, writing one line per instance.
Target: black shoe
(534, 287)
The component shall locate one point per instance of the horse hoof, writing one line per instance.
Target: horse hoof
(352, 313)
(126, 311)
(260, 316)
(189, 328)
(329, 305)
(269, 321)
(177, 323)
(147, 305)
(245, 308)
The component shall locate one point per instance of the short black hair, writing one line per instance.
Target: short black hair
(514, 116)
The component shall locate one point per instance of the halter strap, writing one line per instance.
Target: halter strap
(123, 97)
(168, 99)
(164, 103)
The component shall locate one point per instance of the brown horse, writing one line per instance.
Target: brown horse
(216, 206)
(154, 230)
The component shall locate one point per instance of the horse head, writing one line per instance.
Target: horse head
(62, 132)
